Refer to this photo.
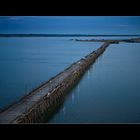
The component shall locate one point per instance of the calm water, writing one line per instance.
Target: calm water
(109, 91)
(27, 62)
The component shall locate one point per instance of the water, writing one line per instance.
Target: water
(109, 92)
(27, 62)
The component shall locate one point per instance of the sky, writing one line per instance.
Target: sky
(70, 24)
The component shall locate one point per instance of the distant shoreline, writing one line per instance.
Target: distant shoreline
(61, 35)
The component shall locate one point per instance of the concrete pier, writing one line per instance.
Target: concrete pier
(41, 102)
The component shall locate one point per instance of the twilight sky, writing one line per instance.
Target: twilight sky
(70, 24)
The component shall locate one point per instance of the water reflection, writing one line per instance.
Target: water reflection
(88, 74)
(108, 92)
(78, 88)
(64, 110)
(73, 98)
(26, 62)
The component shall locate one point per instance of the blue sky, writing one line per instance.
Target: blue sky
(70, 24)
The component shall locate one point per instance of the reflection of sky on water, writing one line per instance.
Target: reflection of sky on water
(27, 62)
(109, 90)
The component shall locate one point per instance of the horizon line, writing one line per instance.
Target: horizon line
(63, 34)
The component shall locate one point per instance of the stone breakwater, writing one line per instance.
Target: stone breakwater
(42, 102)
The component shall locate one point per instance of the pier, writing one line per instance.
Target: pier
(41, 102)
